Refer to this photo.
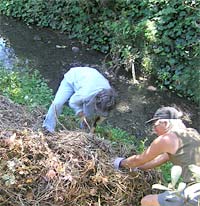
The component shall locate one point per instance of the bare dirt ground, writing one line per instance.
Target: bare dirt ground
(137, 103)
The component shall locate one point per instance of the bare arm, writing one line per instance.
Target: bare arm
(155, 153)
(159, 160)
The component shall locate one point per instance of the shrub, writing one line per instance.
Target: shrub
(160, 36)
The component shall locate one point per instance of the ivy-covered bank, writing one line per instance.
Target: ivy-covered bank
(161, 37)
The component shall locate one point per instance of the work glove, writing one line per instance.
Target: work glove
(117, 162)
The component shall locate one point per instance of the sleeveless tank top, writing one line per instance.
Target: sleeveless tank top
(188, 152)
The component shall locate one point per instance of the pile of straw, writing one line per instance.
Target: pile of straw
(67, 169)
(14, 116)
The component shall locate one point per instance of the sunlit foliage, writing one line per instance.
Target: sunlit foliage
(25, 88)
(160, 37)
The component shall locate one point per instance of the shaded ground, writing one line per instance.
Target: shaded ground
(137, 104)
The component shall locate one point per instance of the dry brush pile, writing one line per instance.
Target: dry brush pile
(14, 116)
(67, 169)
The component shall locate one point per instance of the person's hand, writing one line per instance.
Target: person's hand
(81, 115)
(117, 162)
(83, 122)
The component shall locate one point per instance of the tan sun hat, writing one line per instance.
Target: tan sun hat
(166, 113)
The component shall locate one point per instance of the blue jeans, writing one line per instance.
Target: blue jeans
(65, 91)
(169, 198)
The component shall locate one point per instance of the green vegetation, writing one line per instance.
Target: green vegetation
(161, 37)
(180, 189)
(165, 171)
(117, 135)
(25, 88)
(31, 89)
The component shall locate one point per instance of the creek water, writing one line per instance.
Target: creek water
(53, 53)
(49, 51)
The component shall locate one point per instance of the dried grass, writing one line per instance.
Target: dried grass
(67, 169)
(14, 116)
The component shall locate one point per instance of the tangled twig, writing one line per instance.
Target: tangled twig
(73, 168)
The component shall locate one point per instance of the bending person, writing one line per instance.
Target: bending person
(88, 92)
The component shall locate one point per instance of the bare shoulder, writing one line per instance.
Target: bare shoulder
(168, 137)
(168, 142)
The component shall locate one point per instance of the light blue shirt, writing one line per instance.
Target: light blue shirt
(86, 83)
